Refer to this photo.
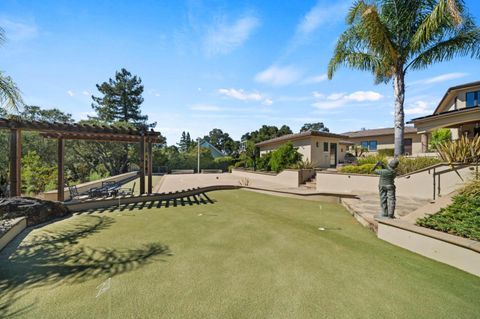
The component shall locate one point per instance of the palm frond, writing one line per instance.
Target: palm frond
(464, 43)
(446, 14)
(10, 97)
(379, 38)
(3, 38)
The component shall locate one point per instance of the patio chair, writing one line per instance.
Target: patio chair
(126, 191)
(73, 192)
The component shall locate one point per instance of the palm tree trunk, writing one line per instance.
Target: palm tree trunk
(399, 128)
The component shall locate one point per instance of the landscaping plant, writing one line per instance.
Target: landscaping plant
(462, 217)
(463, 150)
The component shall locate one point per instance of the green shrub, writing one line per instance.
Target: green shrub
(358, 169)
(36, 174)
(463, 150)
(388, 152)
(372, 159)
(462, 217)
(411, 164)
(263, 162)
(283, 157)
(440, 136)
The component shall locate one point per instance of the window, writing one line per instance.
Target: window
(317, 143)
(325, 146)
(364, 144)
(471, 99)
(372, 145)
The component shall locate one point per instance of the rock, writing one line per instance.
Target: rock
(36, 210)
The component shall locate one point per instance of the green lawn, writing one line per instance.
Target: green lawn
(247, 255)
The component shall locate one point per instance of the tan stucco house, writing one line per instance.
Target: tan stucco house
(383, 138)
(322, 149)
(459, 110)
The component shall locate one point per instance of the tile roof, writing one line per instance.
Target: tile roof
(377, 132)
(300, 135)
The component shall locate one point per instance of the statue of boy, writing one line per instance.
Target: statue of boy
(386, 186)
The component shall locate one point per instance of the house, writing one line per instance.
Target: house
(383, 138)
(458, 110)
(321, 149)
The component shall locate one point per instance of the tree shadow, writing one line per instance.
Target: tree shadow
(54, 258)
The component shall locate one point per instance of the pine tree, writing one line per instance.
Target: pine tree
(121, 99)
(185, 142)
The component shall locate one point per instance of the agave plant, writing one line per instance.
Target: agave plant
(463, 150)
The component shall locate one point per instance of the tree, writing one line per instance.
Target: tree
(121, 99)
(10, 97)
(121, 102)
(185, 142)
(35, 113)
(318, 126)
(391, 37)
(440, 136)
(222, 141)
(266, 132)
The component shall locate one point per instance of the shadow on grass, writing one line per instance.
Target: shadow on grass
(200, 199)
(54, 257)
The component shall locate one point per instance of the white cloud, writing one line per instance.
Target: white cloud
(86, 93)
(223, 38)
(18, 31)
(315, 79)
(71, 93)
(441, 78)
(279, 76)
(245, 96)
(319, 15)
(241, 94)
(206, 108)
(418, 108)
(267, 102)
(338, 100)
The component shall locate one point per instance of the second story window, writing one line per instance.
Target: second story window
(472, 99)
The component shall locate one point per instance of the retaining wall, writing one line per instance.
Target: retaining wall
(455, 251)
(19, 225)
(288, 177)
(418, 184)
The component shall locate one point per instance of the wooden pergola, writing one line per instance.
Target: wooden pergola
(75, 131)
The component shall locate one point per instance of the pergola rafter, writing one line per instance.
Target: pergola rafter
(76, 131)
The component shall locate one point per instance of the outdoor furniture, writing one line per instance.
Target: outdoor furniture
(126, 191)
(73, 191)
(107, 189)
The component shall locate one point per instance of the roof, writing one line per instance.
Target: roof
(453, 89)
(446, 113)
(377, 132)
(76, 131)
(213, 150)
(300, 135)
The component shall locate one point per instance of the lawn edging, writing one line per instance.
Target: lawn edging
(452, 250)
(16, 227)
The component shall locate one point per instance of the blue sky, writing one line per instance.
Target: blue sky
(233, 65)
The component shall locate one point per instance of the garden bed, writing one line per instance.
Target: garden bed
(462, 217)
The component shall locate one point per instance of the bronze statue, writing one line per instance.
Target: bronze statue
(386, 186)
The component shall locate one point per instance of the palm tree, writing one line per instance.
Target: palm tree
(10, 97)
(391, 37)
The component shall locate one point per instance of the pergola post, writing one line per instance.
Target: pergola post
(150, 167)
(61, 174)
(142, 165)
(15, 162)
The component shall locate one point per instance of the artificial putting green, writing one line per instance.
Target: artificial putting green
(247, 255)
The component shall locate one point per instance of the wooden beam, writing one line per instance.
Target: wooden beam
(149, 168)
(61, 174)
(142, 165)
(15, 162)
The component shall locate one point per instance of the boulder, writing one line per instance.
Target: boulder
(36, 211)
